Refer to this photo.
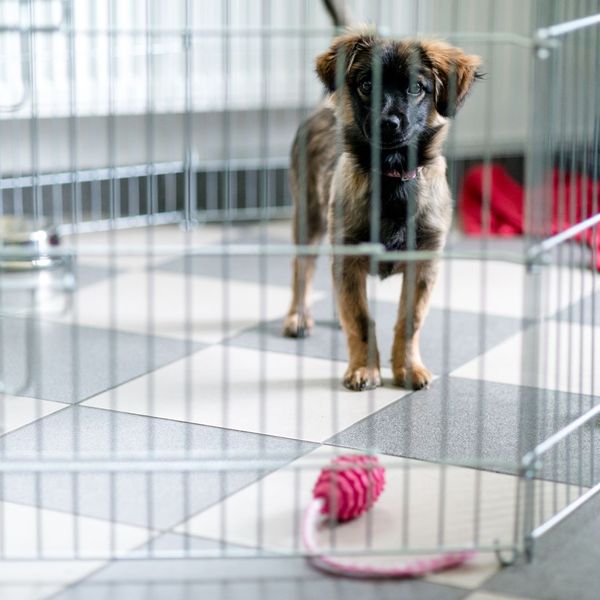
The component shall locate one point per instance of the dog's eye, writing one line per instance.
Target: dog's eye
(366, 86)
(414, 89)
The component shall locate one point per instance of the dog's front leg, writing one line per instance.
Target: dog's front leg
(417, 285)
(350, 279)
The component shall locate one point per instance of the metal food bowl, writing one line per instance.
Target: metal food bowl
(26, 247)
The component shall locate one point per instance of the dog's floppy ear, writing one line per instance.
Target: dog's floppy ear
(454, 73)
(345, 47)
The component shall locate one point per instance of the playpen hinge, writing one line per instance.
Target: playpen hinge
(544, 43)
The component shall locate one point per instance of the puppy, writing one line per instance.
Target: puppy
(377, 152)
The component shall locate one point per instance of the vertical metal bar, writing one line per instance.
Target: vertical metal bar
(113, 193)
(226, 289)
(595, 264)
(151, 209)
(32, 323)
(190, 213)
(337, 238)
(265, 125)
(74, 201)
(582, 94)
(301, 236)
(560, 162)
(534, 227)
(454, 18)
(93, 39)
(190, 198)
(483, 271)
(377, 102)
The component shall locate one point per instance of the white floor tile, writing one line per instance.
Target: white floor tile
(264, 392)
(16, 411)
(105, 247)
(32, 533)
(495, 288)
(205, 309)
(563, 362)
(267, 514)
(42, 551)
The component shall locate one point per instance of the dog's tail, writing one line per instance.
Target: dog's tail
(338, 12)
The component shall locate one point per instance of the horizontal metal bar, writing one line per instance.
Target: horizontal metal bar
(565, 512)
(244, 552)
(137, 466)
(218, 32)
(143, 170)
(377, 252)
(532, 457)
(177, 217)
(269, 32)
(552, 242)
(561, 29)
(87, 175)
(257, 213)
(203, 464)
(27, 30)
(501, 37)
(163, 218)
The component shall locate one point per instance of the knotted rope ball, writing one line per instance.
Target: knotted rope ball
(350, 486)
(345, 490)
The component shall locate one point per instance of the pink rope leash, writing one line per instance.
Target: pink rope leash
(346, 490)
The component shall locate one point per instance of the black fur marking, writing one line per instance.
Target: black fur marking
(403, 159)
(399, 69)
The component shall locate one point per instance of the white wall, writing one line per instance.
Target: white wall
(247, 57)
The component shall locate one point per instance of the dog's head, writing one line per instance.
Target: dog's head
(408, 85)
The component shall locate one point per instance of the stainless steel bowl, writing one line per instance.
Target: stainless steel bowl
(25, 247)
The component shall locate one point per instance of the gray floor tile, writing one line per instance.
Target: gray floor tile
(448, 341)
(585, 312)
(268, 587)
(269, 270)
(448, 413)
(158, 500)
(565, 564)
(273, 578)
(54, 361)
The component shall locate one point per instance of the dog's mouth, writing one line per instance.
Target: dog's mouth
(401, 175)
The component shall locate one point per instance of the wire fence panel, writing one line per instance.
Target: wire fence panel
(155, 392)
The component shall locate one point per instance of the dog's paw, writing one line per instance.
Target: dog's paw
(298, 325)
(363, 378)
(415, 377)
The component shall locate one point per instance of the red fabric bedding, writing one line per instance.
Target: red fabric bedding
(575, 197)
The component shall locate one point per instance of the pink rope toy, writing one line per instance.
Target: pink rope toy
(346, 490)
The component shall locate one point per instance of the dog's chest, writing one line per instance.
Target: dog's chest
(393, 234)
(398, 229)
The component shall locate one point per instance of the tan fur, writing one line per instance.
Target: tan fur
(336, 197)
(454, 70)
(349, 275)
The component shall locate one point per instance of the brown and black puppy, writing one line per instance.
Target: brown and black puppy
(388, 141)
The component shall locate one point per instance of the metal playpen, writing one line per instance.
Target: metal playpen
(138, 116)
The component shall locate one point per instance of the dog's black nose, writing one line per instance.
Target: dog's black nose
(390, 124)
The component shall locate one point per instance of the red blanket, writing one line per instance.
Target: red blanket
(575, 197)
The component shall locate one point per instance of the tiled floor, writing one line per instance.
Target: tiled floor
(203, 429)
